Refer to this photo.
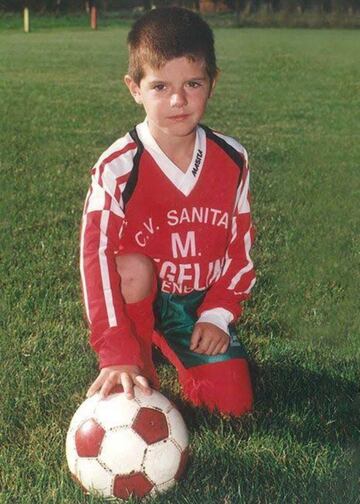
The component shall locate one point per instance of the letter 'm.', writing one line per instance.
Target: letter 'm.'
(179, 249)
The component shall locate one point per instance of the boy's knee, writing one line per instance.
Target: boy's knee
(137, 275)
(132, 266)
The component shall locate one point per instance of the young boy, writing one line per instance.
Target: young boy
(166, 228)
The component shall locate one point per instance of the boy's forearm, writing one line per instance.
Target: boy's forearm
(235, 285)
(224, 298)
(111, 335)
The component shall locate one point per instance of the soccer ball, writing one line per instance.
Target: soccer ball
(116, 447)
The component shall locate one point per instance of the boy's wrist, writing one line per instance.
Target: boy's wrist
(116, 362)
(220, 317)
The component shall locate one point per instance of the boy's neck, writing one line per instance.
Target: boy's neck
(179, 149)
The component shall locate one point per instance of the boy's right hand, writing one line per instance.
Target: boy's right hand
(127, 376)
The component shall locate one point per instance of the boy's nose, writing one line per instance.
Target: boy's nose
(178, 99)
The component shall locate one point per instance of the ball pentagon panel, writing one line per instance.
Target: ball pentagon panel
(183, 461)
(132, 484)
(88, 438)
(151, 425)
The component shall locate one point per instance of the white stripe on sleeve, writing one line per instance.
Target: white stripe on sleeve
(236, 279)
(243, 204)
(104, 268)
(82, 271)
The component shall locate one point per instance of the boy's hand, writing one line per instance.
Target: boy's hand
(209, 339)
(127, 376)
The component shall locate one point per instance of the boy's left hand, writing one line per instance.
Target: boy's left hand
(209, 339)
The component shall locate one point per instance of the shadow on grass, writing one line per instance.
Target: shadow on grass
(300, 417)
(307, 405)
(310, 405)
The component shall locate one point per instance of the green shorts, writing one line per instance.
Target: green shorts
(175, 317)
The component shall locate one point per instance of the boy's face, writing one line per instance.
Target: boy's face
(174, 96)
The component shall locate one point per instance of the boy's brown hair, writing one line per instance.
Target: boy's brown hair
(167, 33)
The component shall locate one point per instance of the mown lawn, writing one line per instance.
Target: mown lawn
(291, 97)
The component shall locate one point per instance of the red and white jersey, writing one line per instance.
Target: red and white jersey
(196, 226)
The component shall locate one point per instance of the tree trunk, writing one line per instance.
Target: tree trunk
(237, 12)
(58, 7)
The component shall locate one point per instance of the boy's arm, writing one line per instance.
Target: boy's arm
(221, 304)
(111, 335)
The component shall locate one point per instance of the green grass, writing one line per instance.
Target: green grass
(291, 97)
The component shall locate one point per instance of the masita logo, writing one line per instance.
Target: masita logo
(198, 159)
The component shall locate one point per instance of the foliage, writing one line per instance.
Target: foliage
(243, 6)
(260, 19)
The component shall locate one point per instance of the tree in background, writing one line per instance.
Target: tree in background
(238, 6)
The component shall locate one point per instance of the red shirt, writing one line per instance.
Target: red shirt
(196, 226)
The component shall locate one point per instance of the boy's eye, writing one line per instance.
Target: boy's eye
(159, 87)
(194, 84)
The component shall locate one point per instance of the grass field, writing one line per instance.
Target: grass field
(290, 96)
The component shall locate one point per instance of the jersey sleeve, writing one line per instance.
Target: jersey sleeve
(222, 303)
(111, 334)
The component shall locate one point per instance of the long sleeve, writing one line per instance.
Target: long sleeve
(222, 302)
(111, 334)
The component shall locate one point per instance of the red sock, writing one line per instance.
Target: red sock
(224, 386)
(141, 315)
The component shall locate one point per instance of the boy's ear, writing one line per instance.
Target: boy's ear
(213, 85)
(133, 88)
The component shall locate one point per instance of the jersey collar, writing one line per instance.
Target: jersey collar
(183, 181)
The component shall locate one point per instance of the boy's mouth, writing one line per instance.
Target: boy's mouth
(179, 117)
